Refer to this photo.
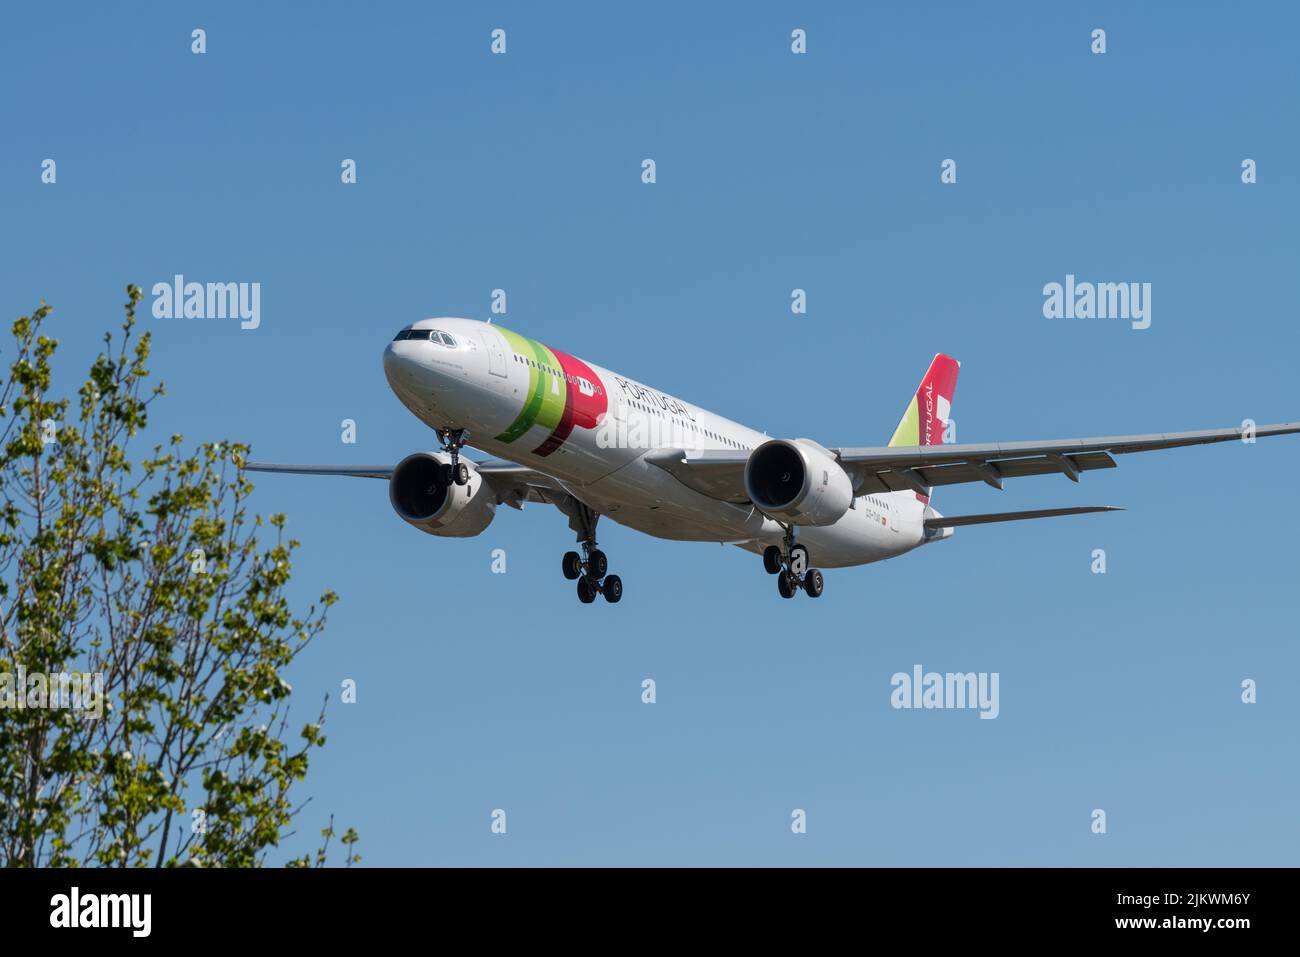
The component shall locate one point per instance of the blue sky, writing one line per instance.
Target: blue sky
(775, 171)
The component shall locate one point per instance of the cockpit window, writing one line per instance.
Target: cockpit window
(428, 335)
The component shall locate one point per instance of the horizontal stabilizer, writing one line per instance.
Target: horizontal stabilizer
(955, 520)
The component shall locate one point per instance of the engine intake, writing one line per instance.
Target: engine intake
(423, 494)
(798, 481)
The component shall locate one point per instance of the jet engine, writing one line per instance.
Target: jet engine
(798, 481)
(425, 495)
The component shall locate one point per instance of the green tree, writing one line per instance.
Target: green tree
(150, 574)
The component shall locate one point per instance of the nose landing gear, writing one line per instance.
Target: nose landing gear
(453, 440)
(790, 564)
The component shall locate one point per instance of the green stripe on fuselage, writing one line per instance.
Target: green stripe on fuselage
(546, 392)
(555, 389)
(528, 414)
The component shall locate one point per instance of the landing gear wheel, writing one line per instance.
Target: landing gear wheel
(572, 565)
(813, 584)
(591, 566)
(453, 440)
(789, 563)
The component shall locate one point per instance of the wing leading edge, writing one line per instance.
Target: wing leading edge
(899, 469)
(720, 473)
(511, 484)
(357, 471)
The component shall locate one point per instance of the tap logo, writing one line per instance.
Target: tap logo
(563, 393)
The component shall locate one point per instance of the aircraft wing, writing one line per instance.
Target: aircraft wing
(515, 484)
(956, 521)
(720, 473)
(901, 468)
(511, 484)
(358, 471)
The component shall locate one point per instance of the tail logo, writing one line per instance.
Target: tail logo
(929, 410)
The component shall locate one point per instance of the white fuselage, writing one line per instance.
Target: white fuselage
(482, 381)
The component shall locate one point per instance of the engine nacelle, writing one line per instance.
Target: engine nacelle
(798, 482)
(424, 495)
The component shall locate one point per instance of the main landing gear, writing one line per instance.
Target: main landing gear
(790, 565)
(453, 440)
(591, 566)
(590, 573)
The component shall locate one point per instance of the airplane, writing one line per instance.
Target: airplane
(593, 443)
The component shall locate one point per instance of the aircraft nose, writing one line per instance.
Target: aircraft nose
(400, 365)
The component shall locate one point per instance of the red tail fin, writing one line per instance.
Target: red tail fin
(928, 411)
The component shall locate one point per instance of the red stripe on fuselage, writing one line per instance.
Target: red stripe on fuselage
(579, 408)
